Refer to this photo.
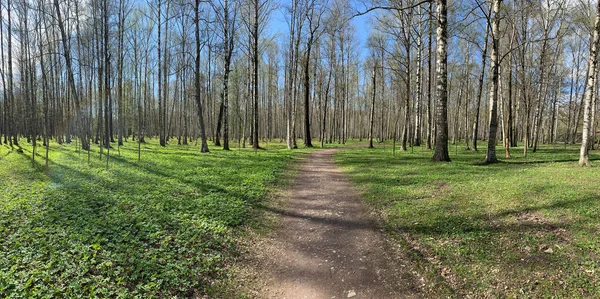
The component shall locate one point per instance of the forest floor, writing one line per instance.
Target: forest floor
(166, 226)
(327, 243)
(524, 227)
(178, 223)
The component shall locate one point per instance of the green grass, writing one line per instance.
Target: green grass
(526, 227)
(167, 226)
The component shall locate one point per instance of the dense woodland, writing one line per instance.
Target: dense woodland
(437, 72)
(108, 108)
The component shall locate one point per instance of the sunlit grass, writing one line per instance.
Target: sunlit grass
(523, 227)
(163, 226)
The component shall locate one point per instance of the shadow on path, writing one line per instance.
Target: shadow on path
(328, 245)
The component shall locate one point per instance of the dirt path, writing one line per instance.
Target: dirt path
(328, 245)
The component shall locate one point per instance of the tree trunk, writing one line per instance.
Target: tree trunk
(584, 159)
(70, 77)
(374, 80)
(228, 39)
(480, 88)
(120, 112)
(307, 137)
(407, 45)
(204, 147)
(417, 131)
(161, 124)
(429, 77)
(255, 50)
(441, 138)
(495, 61)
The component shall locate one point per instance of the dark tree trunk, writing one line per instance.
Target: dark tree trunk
(70, 77)
(480, 88)
(374, 77)
(204, 147)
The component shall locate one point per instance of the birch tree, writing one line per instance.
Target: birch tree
(584, 159)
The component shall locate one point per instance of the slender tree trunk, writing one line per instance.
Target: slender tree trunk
(4, 110)
(511, 132)
(228, 39)
(325, 106)
(11, 129)
(553, 116)
(204, 147)
(138, 96)
(44, 99)
(584, 159)
(467, 100)
(570, 108)
(219, 123)
(374, 80)
(429, 78)
(593, 108)
(164, 130)
(541, 96)
(161, 136)
(307, 137)
(107, 95)
(417, 131)
(255, 50)
(407, 45)
(289, 84)
(480, 88)
(120, 101)
(495, 61)
(70, 77)
(441, 138)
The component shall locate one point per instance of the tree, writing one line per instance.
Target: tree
(441, 139)
(227, 23)
(295, 29)
(255, 19)
(204, 146)
(407, 38)
(12, 136)
(417, 126)
(429, 77)
(584, 159)
(480, 85)
(121, 55)
(314, 23)
(495, 60)
(161, 120)
(374, 96)
(547, 19)
(70, 77)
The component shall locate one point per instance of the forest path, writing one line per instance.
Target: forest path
(328, 244)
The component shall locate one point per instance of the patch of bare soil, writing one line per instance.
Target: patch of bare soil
(327, 244)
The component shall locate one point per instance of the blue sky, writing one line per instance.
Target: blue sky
(278, 26)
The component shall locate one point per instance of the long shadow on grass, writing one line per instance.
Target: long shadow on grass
(458, 229)
(82, 202)
(123, 217)
(509, 162)
(199, 183)
(483, 222)
(196, 162)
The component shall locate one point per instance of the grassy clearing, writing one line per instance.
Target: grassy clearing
(165, 226)
(525, 227)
